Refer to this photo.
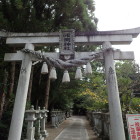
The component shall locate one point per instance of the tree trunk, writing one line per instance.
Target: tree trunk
(30, 85)
(47, 92)
(12, 78)
(3, 93)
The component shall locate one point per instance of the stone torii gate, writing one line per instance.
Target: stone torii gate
(104, 38)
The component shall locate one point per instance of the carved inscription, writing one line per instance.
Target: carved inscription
(23, 70)
(111, 71)
(66, 44)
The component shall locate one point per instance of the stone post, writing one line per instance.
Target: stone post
(116, 121)
(68, 113)
(65, 115)
(30, 127)
(61, 117)
(39, 117)
(71, 113)
(56, 118)
(43, 123)
(53, 117)
(21, 96)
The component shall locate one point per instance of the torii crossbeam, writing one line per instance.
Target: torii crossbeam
(104, 38)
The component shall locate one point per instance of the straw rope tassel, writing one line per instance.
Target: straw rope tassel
(66, 77)
(88, 69)
(78, 74)
(53, 74)
(44, 69)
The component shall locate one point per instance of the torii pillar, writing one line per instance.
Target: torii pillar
(21, 96)
(105, 38)
(116, 120)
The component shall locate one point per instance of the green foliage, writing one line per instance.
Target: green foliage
(128, 81)
(81, 95)
(135, 105)
(51, 15)
(94, 93)
(6, 119)
(62, 94)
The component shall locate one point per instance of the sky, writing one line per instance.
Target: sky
(117, 15)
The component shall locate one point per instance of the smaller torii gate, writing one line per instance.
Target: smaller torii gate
(104, 38)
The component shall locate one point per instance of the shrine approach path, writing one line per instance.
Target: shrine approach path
(74, 128)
